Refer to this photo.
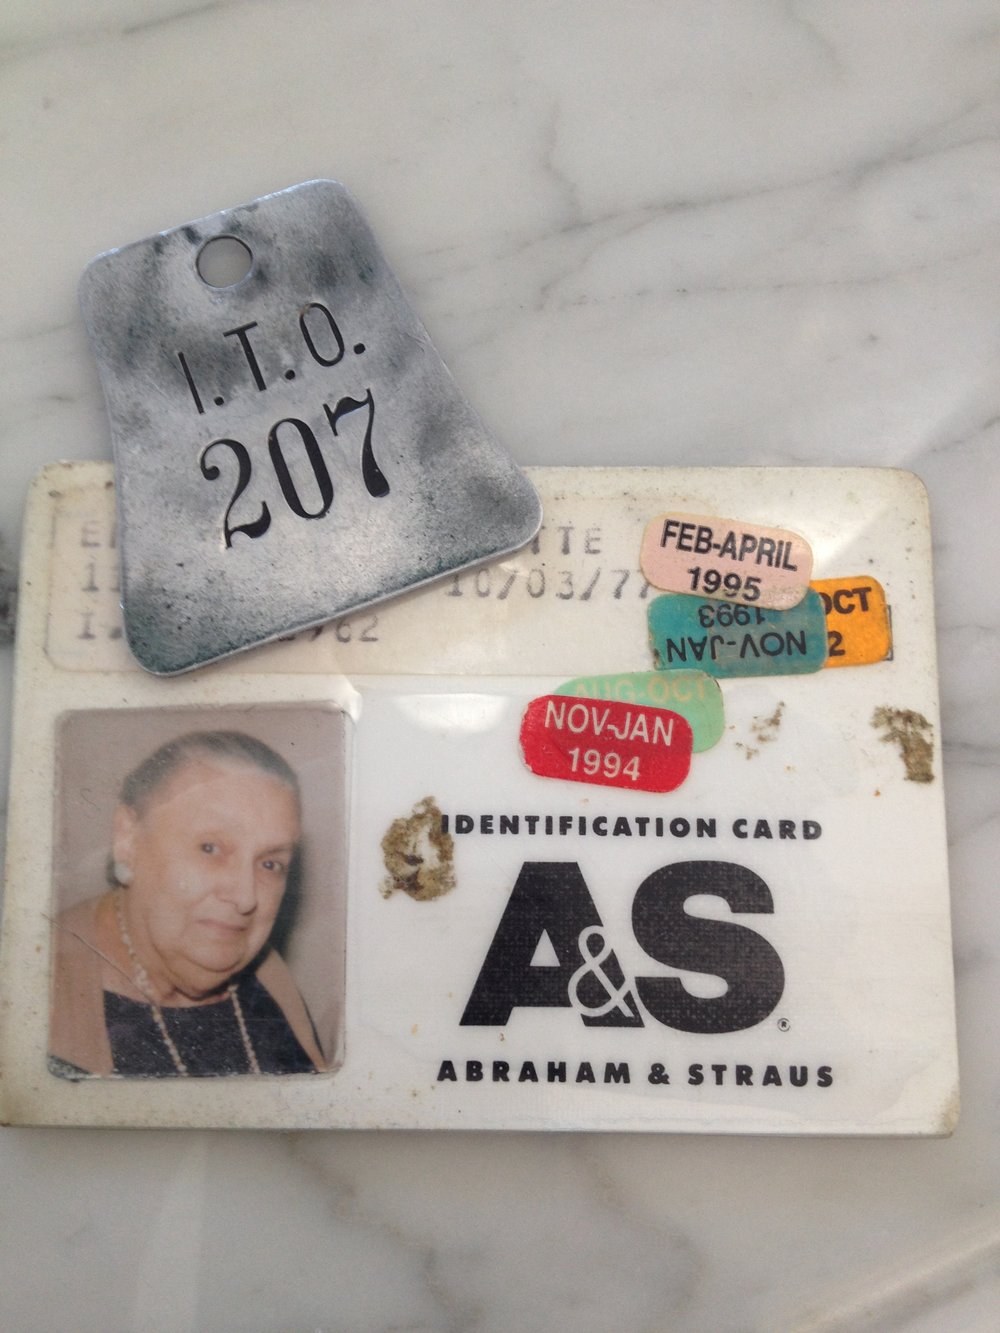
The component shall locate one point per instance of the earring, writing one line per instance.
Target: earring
(123, 874)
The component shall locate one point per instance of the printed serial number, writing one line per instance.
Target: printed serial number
(344, 631)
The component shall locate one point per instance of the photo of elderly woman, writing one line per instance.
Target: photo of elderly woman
(171, 970)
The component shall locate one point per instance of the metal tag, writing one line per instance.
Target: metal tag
(289, 445)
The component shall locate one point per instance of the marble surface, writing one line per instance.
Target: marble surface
(738, 232)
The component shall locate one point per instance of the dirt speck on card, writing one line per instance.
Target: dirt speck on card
(419, 858)
(914, 737)
(764, 729)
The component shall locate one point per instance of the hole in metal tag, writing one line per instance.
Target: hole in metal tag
(289, 446)
(224, 261)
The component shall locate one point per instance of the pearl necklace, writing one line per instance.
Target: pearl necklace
(143, 983)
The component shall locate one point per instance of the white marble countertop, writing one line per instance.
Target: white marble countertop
(719, 233)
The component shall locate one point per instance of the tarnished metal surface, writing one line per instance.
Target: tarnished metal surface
(288, 448)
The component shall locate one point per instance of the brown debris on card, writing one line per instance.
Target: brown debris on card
(418, 856)
(913, 734)
(764, 729)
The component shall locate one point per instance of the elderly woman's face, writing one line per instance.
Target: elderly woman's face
(209, 856)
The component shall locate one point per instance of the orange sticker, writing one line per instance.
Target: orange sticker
(857, 620)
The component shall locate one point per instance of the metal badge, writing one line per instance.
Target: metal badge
(289, 446)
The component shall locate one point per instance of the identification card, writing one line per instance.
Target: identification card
(508, 852)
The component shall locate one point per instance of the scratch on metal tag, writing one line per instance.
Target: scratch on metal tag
(289, 445)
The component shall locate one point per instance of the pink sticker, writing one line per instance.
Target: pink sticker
(726, 559)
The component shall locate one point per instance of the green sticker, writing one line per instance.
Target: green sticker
(692, 694)
(726, 639)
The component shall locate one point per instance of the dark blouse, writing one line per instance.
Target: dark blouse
(207, 1036)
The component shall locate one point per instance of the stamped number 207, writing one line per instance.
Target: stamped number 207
(296, 433)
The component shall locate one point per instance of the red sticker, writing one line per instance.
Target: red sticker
(611, 744)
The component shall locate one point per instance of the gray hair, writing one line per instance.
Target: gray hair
(235, 746)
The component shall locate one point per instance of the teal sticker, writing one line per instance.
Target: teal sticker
(692, 694)
(726, 639)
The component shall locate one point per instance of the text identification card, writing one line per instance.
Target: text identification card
(483, 857)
